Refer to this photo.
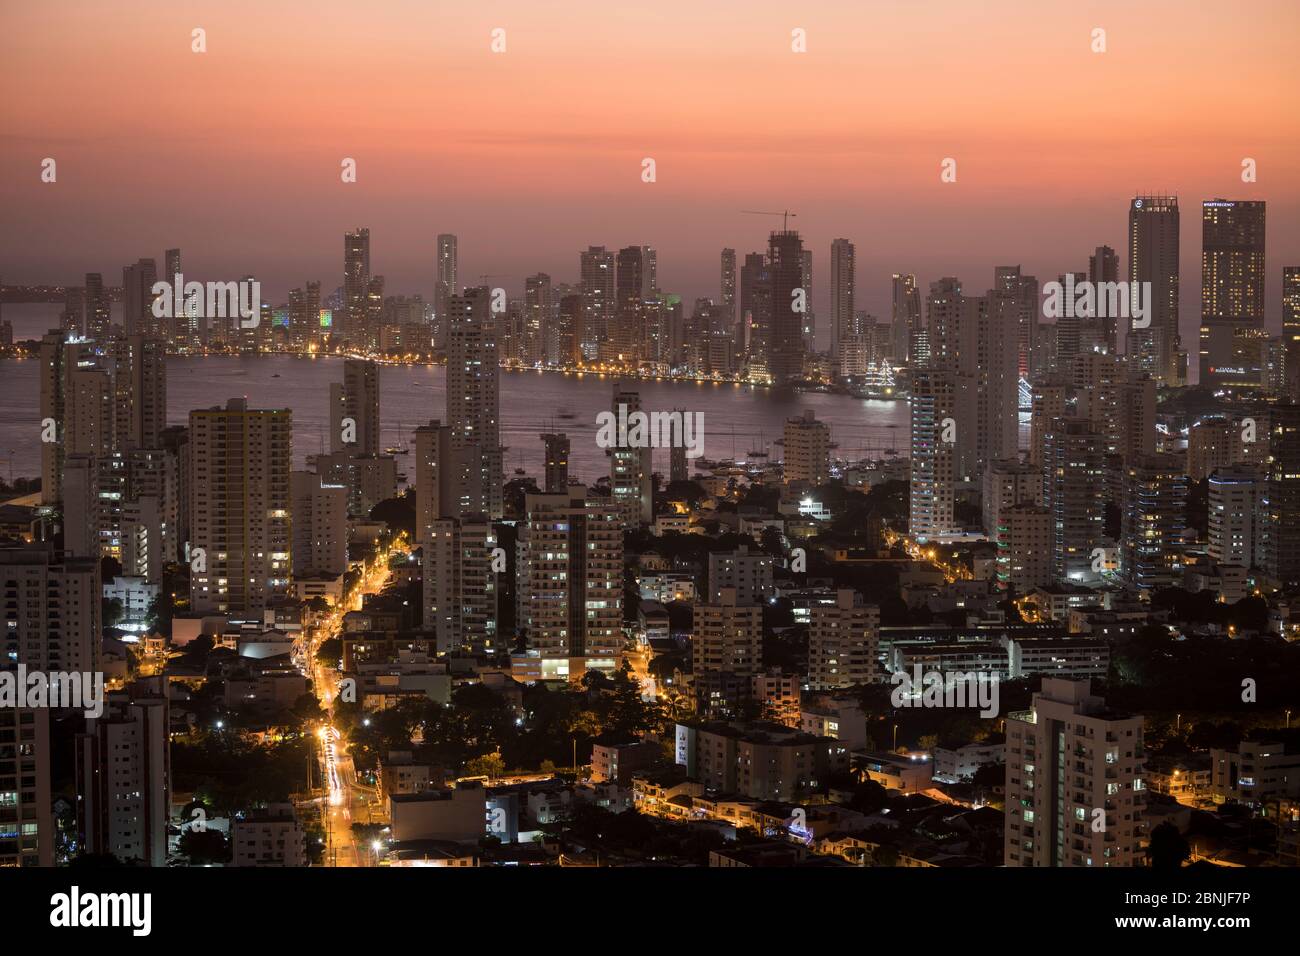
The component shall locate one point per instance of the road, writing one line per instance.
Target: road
(337, 769)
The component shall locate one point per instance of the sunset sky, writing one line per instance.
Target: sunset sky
(531, 155)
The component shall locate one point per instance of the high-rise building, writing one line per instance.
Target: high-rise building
(597, 270)
(538, 312)
(996, 319)
(124, 777)
(98, 308)
(1232, 287)
(354, 409)
(727, 638)
(25, 760)
(842, 642)
(1282, 541)
(807, 450)
(569, 582)
(728, 299)
(933, 457)
(748, 573)
(1008, 281)
(756, 306)
(557, 463)
(1236, 523)
(239, 461)
(1023, 534)
(436, 474)
(789, 294)
(139, 369)
(1008, 482)
(1074, 491)
(809, 317)
(52, 603)
(1074, 781)
(137, 299)
(1152, 521)
(356, 285)
(473, 402)
(460, 595)
(842, 290)
(1291, 333)
(1153, 258)
(910, 344)
(445, 286)
(171, 265)
(320, 525)
(630, 468)
(632, 289)
(1103, 267)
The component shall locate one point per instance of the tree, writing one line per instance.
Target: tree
(489, 765)
(1168, 849)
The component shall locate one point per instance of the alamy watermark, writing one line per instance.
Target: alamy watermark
(954, 689)
(72, 690)
(638, 429)
(1085, 299)
(213, 300)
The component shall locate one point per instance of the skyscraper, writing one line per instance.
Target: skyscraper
(1232, 288)
(460, 596)
(1155, 501)
(630, 468)
(631, 286)
(239, 461)
(785, 262)
(98, 308)
(1008, 281)
(137, 299)
(538, 312)
(807, 445)
(842, 289)
(756, 310)
(932, 478)
(319, 510)
(1074, 491)
(557, 463)
(906, 335)
(842, 642)
(1282, 542)
(569, 583)
(1075, 791)
(598, 298)
(1153, 257)
(356, 284)
(354, 409)
(473, 401)
(728, 299)
(444, 286)
(124, 777)
(1103, 267)
(1291, 332)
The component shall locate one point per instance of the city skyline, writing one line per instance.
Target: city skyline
(524, 197)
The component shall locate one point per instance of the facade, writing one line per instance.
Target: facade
(569, 580)
(124, 778)
(239, 460)
(807, 450)
(842, 642)
(1074, 790)
(748, 573)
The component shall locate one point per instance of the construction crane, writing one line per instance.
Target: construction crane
(786, 215)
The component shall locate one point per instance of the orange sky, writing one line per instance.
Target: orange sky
(533, 154)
